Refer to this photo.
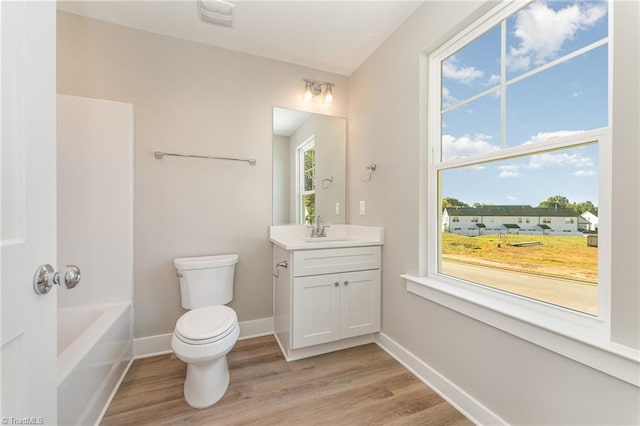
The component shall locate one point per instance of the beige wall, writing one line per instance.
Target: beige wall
(521, 382)
(191, 98)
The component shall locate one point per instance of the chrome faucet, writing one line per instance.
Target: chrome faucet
(319, 229)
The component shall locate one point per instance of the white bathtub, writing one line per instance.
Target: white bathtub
(94, 352)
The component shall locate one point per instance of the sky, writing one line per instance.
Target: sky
(560, 101)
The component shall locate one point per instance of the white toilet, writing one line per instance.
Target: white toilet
(204, 335)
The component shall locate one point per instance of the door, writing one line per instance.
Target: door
(359, 303)
(316, 310)
(28, 211)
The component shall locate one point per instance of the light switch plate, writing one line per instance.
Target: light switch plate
(362, 208)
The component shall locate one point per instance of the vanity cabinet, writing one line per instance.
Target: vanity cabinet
(326, 299)
(335, 306)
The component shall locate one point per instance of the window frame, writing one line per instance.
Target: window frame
(577, 335)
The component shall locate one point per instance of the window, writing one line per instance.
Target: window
(306, 165)
(584, 337)
(524, 111)
(455, 219)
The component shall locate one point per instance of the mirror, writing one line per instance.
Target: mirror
(309, 167)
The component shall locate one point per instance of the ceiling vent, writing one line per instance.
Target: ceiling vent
(217, 12)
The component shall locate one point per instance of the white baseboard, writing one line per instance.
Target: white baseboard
(144, 347)
(256, 328)
(473, 409)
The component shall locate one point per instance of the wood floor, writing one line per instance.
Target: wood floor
(359, 386)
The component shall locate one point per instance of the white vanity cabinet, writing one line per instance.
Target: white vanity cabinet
(326, 299)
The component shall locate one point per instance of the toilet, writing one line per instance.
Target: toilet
(204, 336)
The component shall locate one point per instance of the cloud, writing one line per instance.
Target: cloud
(494, 79)
(466, 146)
(511, 198)
(511, 170)
(447, 99)
(545, 136)
(541, 31)
(451, 69)
(560, 160)
(582, 173)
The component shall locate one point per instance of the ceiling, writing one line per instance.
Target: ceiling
(286, 121)
(334, 36)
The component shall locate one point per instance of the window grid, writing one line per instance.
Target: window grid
(436, 163)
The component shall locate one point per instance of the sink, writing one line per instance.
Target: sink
(296, 237)
(324, 239)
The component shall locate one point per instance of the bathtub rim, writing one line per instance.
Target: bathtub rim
(80, 347)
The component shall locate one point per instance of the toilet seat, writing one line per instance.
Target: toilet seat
(206, 325)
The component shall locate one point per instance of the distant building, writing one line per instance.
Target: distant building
(524, 220)
(590, 221)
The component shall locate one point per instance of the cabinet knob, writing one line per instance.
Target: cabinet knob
(336, 284)
(346, 283)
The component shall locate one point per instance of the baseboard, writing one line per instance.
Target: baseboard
(144, 347)
(473, 409)
(256, 328)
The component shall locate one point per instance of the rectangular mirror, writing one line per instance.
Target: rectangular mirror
(309, 167)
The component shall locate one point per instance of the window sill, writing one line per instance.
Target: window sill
(577, 336)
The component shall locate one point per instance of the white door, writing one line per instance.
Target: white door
(316, 309)
(359, 303)
(28, 211)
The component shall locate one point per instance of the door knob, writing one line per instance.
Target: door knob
(45, 278)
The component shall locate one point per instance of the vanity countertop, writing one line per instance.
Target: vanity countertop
(297, 237)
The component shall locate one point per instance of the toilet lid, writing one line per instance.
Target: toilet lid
(206, 323)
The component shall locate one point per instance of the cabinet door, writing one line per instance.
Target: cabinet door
(359, 303)
(316, 310)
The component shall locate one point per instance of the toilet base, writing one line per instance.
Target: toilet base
(206, 383)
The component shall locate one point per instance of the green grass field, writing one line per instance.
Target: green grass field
(564, 257)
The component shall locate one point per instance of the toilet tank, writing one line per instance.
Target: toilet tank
(206, 280)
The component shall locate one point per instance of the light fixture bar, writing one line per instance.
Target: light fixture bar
(314, 88)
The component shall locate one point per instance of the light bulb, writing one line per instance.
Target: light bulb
(328, 94)
(307, 94)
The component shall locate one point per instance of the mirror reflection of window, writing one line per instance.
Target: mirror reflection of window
(306, 181)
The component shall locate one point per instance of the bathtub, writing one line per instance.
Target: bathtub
(94, 352)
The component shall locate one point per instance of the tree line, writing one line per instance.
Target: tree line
(555, 201)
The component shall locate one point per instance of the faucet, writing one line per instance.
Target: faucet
(319, 228)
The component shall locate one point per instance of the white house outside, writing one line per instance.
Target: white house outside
(591, 221)
(522, 220)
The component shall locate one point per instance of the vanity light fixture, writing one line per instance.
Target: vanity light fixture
(313, 88)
